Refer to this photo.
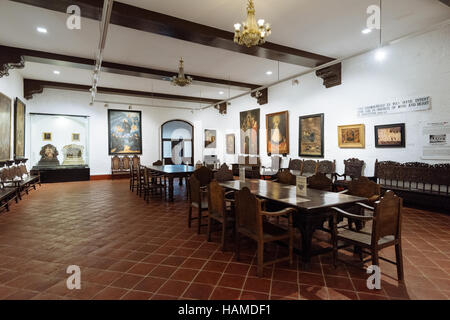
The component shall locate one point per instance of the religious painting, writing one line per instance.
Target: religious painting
(210, 139)
(5, 127)
(390, 136)
(19, 129)
(277, 125)
(75, 137)
(311, 136)
(352, 136)
(249, 127)
(47, 136)
(230, 143)
(125, 132)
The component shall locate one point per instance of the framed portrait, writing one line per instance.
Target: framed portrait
(5, 127)
(311, 136)
(352, 136)
(19, 129)
(124, 132)
(230, 143)
(75, 137)
(277, 125)
(249, 131)
(47, 136)
(390, 136)
(210, 139)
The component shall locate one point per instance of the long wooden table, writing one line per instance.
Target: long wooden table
(312, 210)
(173, 171)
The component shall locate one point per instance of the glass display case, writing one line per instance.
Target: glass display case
(59, 141)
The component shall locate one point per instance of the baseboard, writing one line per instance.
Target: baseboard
(109, 177)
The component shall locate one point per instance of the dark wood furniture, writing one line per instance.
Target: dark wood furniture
(171, 172)
(327, 167)
(252, 165)
(250, 223)
(204, 175)
(312, 210)
(295, 165)
(219, 211)
(198, 201)
(152, 183)
(353, 170)
(120, 166)
(386, 231)
(62, 174)
(223, 174)
(286, 177)
(419, 184)
(309, 167)
(320, 181)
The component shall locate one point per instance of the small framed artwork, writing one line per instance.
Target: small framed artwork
(277, 125)
(390, 136)
(210, 139)
(230, 143)
(352, 136)
(19, 129)
(311, 136)
(75, 137)
(47, 136)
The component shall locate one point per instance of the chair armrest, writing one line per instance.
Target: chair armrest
(374, 198)
(278, 213)
(353, 216)
(365, 206)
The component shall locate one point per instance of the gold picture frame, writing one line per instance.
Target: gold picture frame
(75, 137)
(47, 136)
(352, 136)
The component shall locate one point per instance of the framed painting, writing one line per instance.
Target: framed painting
(351, 136)
(5, 127)
(124, 132)
(230, 143)
(249, 131)
(311, 136)
(19, 129)
(210, 139)
(390, 136)
(75, 137)
(277, 125)
(46, 136)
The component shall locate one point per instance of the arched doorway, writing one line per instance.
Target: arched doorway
(177, 142)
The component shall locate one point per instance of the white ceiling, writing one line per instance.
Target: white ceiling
(327, 27)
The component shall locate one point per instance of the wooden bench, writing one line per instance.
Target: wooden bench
(417, 183)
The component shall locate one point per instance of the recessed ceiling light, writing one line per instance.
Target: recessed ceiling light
(221, 92)
(366, 31)
(41, 30)
(56, 72)
(269, 73)
(380, 54)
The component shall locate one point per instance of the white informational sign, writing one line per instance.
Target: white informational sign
(242, 174)
(406, 105)
(436, 140)
(302, 185)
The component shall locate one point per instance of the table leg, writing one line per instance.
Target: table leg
(170, 188)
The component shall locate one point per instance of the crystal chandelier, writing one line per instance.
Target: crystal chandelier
(253, 33)
(181, 80)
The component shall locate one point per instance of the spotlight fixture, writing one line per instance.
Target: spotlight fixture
(269, 73)
(366, 31)
(41, 30)
(221, 92)
(56, 72)
(380, 54)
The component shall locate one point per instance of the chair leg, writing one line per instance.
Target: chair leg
(209, 228)
(260, 259)
(399, 260)
(199, 220)
(375, 259)
(237, 250)
(190, 216)
(224, 232)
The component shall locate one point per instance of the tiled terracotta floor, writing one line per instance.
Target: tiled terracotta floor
(130, 250)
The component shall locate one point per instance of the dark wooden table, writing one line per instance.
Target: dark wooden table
(173, 171)
(312, 210)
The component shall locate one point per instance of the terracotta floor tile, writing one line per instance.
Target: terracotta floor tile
(150, 284)
(127, 281)
(110, 293)
(285, 289)
(257, 284)
(249, 295)
(173, 288)
(184, 274)
(208, 277)
(137, 295)
(232, 281)
(338, 282)
(308, 292)
(221, 293)
(198, 291)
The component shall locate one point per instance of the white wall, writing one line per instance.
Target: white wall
(416, 67)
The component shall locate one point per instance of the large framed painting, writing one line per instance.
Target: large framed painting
(19, 129)
(277, 125)
(5, 127)
(125, 132)
(210, 139)
(230, 143)
(390, 136)
(249, 131)
(352, 136)
(311, 136)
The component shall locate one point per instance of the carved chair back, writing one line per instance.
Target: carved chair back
(216, 199)
(223, 174)
(194, 190)
(353, 168)
(286, 177)
(327, 167)
(115, 163)
(388, 217)
(320, 181)
(204, 175)
(295, 164)
(309, 166)
(248, 212)
(126, 163)
(136, 161)
(363, 187)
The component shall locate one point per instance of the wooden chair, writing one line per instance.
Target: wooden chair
(219, 211)
(204, 175)
(140, 179)
(386, 230)
(274, 168)
(309, 168)
(295, 165)
(133, 177)
(223, 174)
(158, 163)
(151, 184)
(320, 181)
(327, 167)
(116, 166)
(197, 200)
(250, 223)
(286, 177)
(352, 170)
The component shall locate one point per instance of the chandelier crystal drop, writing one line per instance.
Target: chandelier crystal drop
(181, 80)
(251, 32)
